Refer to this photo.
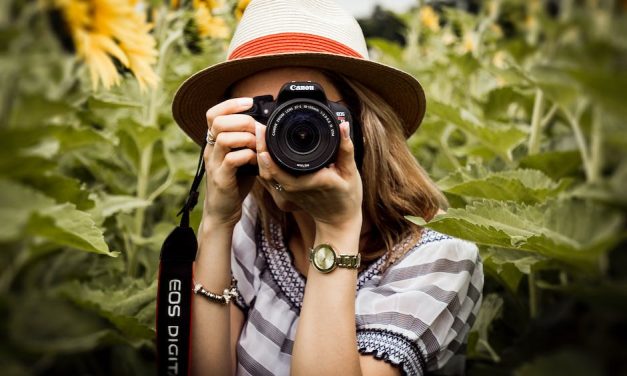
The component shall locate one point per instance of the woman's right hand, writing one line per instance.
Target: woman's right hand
(225, 190)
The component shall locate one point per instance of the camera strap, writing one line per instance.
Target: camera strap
(174, 294)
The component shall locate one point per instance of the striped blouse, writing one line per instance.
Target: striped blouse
(415, 315)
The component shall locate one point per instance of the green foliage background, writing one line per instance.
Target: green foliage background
(525, 133)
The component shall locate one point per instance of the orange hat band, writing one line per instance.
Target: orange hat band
(289, 43)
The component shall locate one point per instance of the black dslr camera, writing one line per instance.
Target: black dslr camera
(303, 133)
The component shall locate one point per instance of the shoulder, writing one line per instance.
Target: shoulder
(424, 304)
(439, 266)
(438, 252)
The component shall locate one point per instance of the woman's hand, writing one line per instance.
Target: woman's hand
(332, 195)
(225, 194)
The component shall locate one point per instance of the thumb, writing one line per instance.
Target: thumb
(346, 154)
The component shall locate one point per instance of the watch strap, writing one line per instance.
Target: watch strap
(349, 261)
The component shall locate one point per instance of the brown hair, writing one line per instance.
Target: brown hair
(394, 184)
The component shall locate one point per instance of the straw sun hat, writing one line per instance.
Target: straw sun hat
(296, 33)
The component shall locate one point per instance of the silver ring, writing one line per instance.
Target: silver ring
(277, 186)
(211, 140)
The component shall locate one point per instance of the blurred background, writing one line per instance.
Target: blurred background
(525, 133)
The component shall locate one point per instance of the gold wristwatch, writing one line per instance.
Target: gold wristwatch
(325, 259)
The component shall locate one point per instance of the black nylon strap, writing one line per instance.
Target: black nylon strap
(174, 296)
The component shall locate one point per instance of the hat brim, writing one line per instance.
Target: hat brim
(206, 88)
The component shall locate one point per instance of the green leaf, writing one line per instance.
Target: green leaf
(130, 309)
(501, 139)
(35, 110)
(390, 50)
(526, 186)
(466, 63)
(48, 325)
(574, 232)
(556, 84)
(65, 225)
(556, 164)
(478, 339)
(111, 101)
(61, 188)
(143, 136)
(565, 82)
(110, 172)
(71, 138)
(17, 203)
(500, 100)
(108, 205)
(510, 265)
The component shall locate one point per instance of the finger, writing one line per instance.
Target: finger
(226, 141)
(233, 123)
(260, 137)
(345, 160)
(232, 161)
(229, 106)
(260, 133)
(270, 171)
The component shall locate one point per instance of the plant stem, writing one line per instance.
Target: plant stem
(12, 270)
(159, 190)
(150, 120)
(495, 357)
(533, 295)
(566, 10)
(563, 278)
(445, 148)
(596, 144)
(581, 144)
(536, 123)
(549, 116)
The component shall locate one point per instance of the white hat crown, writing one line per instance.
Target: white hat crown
(282, 22)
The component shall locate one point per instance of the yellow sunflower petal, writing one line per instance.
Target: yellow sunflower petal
(103, 29)
(429, 18)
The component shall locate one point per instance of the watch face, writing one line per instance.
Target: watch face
(324, 258)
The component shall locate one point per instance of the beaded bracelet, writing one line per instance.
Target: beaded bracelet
(225, 298)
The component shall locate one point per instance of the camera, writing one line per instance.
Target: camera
(303, 133)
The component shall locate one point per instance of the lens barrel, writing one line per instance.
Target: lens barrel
(302, 135)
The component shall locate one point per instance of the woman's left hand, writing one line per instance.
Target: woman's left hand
(332, 195)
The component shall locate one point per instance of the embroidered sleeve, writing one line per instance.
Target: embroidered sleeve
(244, 254)
(417, 315)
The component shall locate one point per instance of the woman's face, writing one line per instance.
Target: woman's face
(270, 82)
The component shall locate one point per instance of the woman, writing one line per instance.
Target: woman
(407, 307)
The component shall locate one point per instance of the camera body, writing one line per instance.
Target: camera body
(303, 133)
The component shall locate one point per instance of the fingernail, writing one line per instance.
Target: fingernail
(265, 158)
(245, 102)
(344, 128)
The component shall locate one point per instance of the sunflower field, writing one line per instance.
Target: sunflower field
(525, 133)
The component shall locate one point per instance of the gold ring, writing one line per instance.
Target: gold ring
(211, 140)
(277, 186)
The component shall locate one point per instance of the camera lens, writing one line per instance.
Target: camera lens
(303, 137)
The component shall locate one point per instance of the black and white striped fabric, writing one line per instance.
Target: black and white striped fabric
(416, 315)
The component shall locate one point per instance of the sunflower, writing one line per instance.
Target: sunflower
(429, 18)
(209, 25)
(240, 8)
(105, 29)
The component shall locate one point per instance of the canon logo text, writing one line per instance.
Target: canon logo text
(301, 87)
